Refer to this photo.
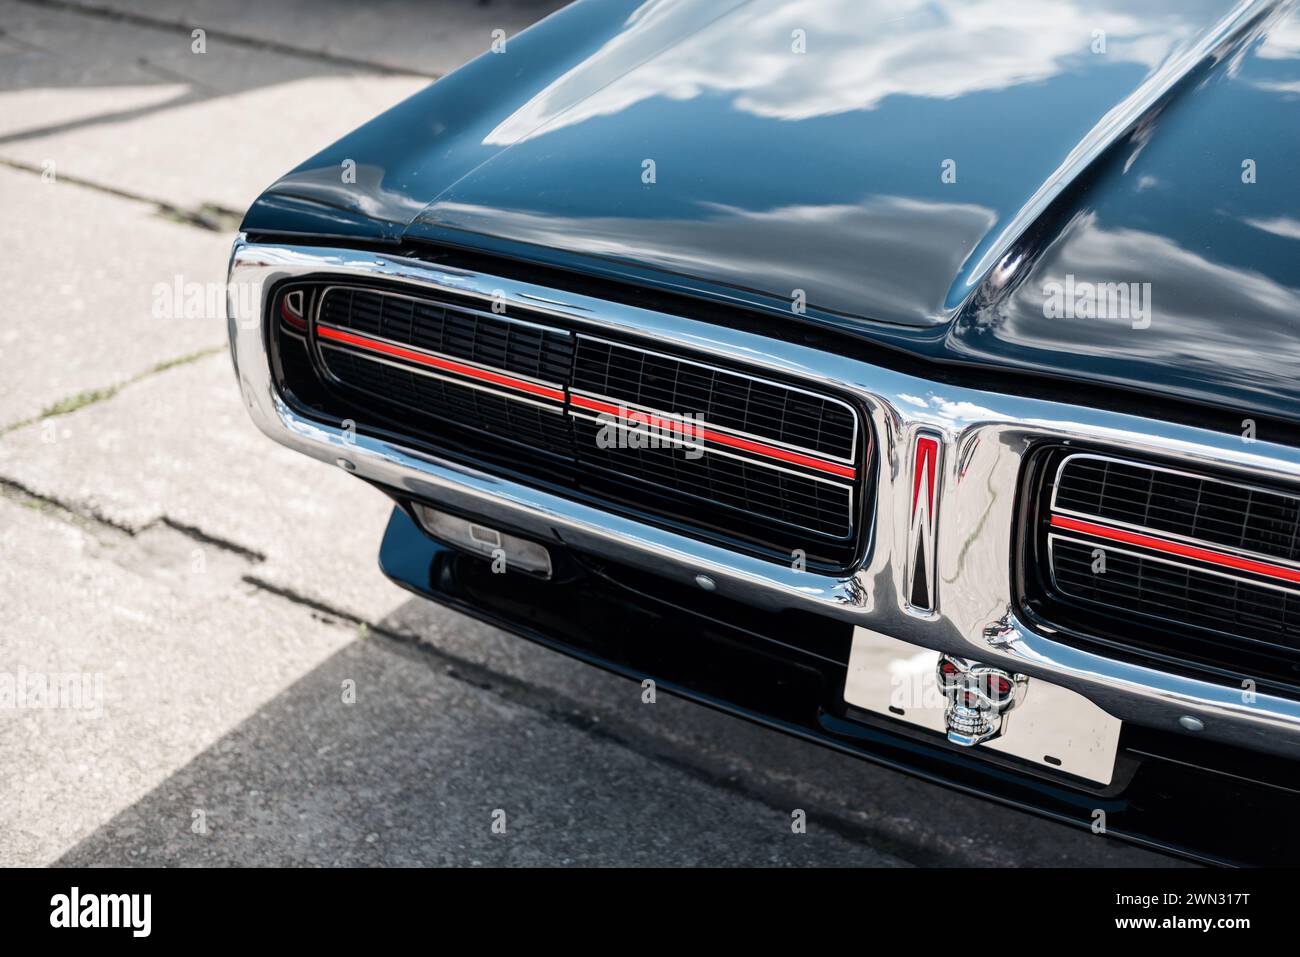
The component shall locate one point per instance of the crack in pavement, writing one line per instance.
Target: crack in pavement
(83, 515)
(210, 216)
(18, 41)
(251, 555)
(19, 494)
(80, 400)
(229, 36)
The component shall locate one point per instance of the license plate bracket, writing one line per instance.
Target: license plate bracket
(1050, 725)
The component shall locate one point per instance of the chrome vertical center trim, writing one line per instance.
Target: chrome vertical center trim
(921, 594)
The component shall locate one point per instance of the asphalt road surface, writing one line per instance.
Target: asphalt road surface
(255, 691)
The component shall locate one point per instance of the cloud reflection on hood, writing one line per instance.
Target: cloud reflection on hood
(926, 48)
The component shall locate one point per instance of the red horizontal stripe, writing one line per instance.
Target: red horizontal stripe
(1177, 548)
(388, 349)
(717, 437)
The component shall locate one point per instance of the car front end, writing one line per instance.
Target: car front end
(915, 514)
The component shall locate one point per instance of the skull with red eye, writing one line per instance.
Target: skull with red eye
(978, 699)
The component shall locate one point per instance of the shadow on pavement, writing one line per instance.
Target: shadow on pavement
(441, 737)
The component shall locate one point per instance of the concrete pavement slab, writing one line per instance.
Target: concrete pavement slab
(400, 34)
(77, 291)
(180, 447)
(180, 651)
(134, 108)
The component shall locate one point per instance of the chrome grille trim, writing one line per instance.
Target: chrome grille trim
(850, 506)
(781, 493)
(986, 436)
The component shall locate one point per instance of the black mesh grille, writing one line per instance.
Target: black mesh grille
(751, 492)
(1202, 508)
(1179, 589)
(461, 333)
(753, 489)
(506, 419)
(764, 410)
(1178, 593)
(723, 398)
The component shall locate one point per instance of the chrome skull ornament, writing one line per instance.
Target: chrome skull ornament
(979, 698)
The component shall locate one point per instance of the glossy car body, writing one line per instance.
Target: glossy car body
(915, 180)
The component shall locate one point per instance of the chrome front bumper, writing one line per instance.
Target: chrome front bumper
(985, 435)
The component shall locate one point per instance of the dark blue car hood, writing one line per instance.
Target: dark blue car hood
(925, 174)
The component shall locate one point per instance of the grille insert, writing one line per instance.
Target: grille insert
(1195, 507)
(765, 462)
(792, 499)
(724, 399)
(457, 332)
(1178, 593)
(1190, 566)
